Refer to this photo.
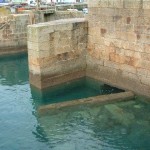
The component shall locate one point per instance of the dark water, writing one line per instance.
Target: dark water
(80, 88)
(119, 126)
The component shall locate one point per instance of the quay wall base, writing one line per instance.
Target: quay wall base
(43, 82)
(110, 98)
(119, 43)
(13, 34)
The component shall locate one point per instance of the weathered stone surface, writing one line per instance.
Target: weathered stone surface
(119, 36)
(56, 49)
(13, 28)
(97, 99)
(13, 34)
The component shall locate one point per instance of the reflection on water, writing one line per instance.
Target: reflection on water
(13, 70)
(124, 125)
(18, 123)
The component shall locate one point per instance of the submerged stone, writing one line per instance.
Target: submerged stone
(137, 106)
(118, 113)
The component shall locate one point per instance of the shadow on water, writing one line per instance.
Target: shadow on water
(13, 70)
(81, 88)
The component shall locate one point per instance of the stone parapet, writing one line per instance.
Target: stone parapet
(63, 15)
(131, 4)
(13, 28)
(55, 49)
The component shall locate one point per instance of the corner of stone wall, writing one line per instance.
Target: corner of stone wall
(119, 43)
(57, 51)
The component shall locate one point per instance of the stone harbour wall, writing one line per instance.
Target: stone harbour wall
(62, 15)
(13, 28)
(119, 43)
(57, 51)
(13, 33)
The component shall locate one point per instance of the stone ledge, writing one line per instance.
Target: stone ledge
(91, 100)
(45, 81)
(60, 22)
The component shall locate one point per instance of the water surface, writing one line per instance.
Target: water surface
(124, 125)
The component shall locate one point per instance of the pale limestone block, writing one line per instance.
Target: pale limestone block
(33, 46)
(137, 55)
(107, 42)
(94, 3)
(91, 62)
(125, 44)
(62, 27)
(118, 3)
(120, 51)
(111, 3)
(103, 3)
(32, 34)
(111, 64)
(34, 61)
(43, 37)
(131, 37)
(128, 68)
(34, 69)
(117, 43)
(146, 4)
(145, 64)
(129, 53)
(145, 80)
(145, 56)
(48, 62)
(34, 53)
(83, 31)
(146, 48)
(117, 58)
(148, 73)
(130, 76)
(142, 72)
(45, 28)
(45, 46)
(45, 53)
(82, 46)
(63, 34)
(136, 47)
(133, 4)
(104, 55)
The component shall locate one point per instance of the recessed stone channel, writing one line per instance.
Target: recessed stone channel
(77, 92)
(91, 100)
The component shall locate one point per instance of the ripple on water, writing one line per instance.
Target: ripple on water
(75, 128)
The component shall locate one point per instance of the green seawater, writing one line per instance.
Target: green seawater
(80, 88)
(117, 126)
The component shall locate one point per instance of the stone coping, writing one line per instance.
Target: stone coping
(91, 100)
(60, 21)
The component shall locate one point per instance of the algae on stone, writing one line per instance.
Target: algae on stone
(118, 113)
